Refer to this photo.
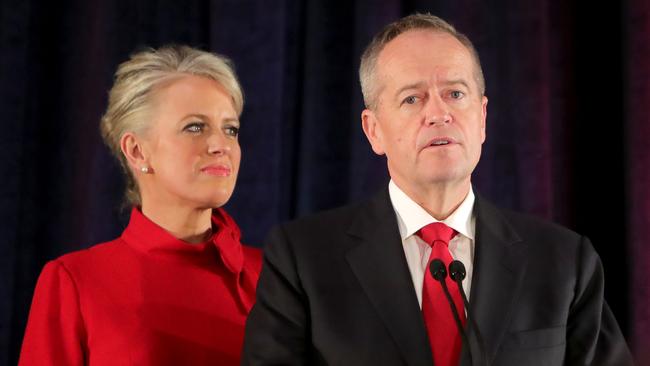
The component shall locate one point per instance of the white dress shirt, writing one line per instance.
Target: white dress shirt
(411, 217)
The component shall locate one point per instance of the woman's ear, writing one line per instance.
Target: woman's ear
(132, 148)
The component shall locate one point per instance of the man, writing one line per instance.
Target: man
(352, 286)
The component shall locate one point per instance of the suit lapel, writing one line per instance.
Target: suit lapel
(379, 263)
(499, 267)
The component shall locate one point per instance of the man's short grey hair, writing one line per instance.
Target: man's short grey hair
(367, 69)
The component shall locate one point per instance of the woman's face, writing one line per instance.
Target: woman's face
(191, 145)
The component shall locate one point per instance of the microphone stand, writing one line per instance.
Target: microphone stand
(457, 273)
(439, 273)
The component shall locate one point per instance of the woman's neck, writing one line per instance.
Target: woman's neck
(192, 225)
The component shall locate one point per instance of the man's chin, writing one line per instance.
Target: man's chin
(443, 178)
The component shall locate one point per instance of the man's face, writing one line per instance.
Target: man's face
(429, 117)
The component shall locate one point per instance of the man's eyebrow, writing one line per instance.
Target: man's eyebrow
(420, 84)
(416, 85)
(457, 82)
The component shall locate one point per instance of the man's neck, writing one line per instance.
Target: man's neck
(439, 200)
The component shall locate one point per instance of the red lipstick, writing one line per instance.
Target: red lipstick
(216, 170)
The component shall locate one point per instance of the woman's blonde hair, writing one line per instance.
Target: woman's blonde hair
(136, 80)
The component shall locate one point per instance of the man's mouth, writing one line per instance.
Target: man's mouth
(439, 142)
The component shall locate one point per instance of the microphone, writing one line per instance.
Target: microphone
(439, 273)
(457, 273)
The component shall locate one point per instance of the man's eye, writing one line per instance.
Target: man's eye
(410, 100)
(194, 127)
(456, 94)
(232, 131)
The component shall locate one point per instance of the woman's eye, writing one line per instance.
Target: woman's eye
(232, 131)
(194, 127)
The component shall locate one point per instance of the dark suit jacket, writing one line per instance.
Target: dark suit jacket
(335, 289)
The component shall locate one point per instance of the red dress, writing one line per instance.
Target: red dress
(145, 298)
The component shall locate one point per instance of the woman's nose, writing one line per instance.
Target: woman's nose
(218, 144)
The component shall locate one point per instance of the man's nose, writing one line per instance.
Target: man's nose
(437, 111)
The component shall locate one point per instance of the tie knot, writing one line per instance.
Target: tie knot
(436, 231)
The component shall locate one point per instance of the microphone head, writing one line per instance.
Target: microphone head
(457, 270)
(438, 270)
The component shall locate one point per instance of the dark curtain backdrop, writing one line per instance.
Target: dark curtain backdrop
(568, 87)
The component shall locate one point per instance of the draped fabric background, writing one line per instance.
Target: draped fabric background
(568, 87)
(637, 167)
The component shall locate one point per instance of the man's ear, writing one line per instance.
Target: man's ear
(132, 148)
(484, 102)
(373, 132)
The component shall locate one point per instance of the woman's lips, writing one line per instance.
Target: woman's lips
(216, 170)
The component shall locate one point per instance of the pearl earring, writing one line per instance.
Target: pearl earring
(144, 169)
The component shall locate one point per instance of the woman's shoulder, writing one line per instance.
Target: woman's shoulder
(98, 255)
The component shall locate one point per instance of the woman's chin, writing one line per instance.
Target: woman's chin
(217, 200)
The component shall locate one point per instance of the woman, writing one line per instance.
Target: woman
(176, 286)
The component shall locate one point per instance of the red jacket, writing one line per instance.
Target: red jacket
(145, 298)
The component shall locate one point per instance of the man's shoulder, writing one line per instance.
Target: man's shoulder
(538, 226)
(537, 239)
(316, 238)
(338, 227)
(528, 227)
(334, 219)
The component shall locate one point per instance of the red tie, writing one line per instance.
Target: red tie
(443, 333)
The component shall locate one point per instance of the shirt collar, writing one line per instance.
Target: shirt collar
(412, 217)
(145, 235)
